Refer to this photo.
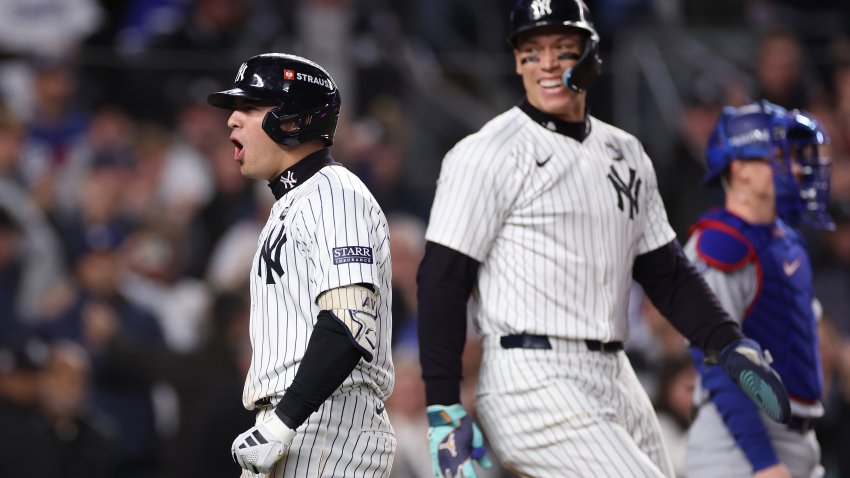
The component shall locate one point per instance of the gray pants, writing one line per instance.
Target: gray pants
(712, 450)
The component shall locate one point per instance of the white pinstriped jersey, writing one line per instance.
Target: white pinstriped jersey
(326, 233)
(555, 223)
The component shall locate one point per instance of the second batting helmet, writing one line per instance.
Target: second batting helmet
(530, 14)
(300, 90)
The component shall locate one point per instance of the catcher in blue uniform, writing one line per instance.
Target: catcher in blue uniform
(774, 171)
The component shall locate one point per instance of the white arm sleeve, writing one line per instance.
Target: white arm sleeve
(354, 306)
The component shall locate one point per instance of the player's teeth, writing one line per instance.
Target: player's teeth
(550, 83)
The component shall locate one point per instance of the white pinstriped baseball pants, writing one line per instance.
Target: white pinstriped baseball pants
(568, 412)
(349, 436)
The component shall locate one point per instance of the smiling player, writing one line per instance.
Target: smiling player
(543, 217)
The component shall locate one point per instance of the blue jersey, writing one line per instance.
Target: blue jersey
(780, 316)
(763, 278)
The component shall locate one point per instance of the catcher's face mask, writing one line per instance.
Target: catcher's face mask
(808, 147)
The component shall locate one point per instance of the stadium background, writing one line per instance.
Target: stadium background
(126, 230)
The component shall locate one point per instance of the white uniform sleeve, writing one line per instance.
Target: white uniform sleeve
(735, 290)
(477, 185)
(343, 250)
(656, 228)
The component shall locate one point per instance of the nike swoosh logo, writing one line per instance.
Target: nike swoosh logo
(791, 267)
(541, 163)
(379, 409)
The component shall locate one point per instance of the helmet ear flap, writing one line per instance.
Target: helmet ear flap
(588, 67)
(273, 126)
(314, 125)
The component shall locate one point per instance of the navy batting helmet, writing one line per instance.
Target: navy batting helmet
(807, 146)
(530, 14)
(301, 91)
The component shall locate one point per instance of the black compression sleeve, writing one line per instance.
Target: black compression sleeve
(683, 297)
(445, 279)
(329, 358)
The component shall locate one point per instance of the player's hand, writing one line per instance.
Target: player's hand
(455, 441)
(259, 448)
(747, 366)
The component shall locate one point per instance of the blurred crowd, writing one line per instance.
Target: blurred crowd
(127, 231)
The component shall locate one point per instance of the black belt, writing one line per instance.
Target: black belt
(597, 346)
(542, 342)
(263, 402)
(801, 424)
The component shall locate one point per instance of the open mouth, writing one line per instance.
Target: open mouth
(239, 149)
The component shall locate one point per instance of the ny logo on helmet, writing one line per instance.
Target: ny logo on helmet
(540, 8)
(240, 75)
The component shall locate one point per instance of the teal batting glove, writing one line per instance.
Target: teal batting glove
(455, 441)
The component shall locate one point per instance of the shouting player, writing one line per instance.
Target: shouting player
(775, 173)
(320, 284)
(544, 217)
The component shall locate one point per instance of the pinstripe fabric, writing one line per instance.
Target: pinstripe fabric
(568, 412)
(556, 225)
(350, 435)
(326, 233)
(552, 234)
(331, 209)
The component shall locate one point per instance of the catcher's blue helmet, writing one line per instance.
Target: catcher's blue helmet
(763, 130)
(806, 146)
(753, 131)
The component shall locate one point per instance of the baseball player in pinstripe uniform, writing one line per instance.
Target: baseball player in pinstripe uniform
(757, 264)
(543, 217)
(320, 284)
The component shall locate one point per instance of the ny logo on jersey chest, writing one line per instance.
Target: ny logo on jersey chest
(630, 191)
(270, 255)
(270, 251)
